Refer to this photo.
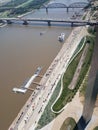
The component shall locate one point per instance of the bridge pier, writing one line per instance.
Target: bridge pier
(46, 10)
(72, 24)
(25, 22)
(1, 21)
(48, 20)
(9, 21)
(49, 23)
(67, 9)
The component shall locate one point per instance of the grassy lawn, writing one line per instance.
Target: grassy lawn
(4, 14)
(87, 64)
(14, 3)
(68, 94)
(83, 88)
(25, 4)
(91, 30)
(96, 128)
(79, 46)
(69, 124)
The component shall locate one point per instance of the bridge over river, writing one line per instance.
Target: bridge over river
(52, 5)
(49, 21)
(62, 5)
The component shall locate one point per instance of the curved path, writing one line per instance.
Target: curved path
(58, 96)
(62, 81)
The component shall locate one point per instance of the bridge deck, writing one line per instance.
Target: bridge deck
(25, 87)
(48, 20)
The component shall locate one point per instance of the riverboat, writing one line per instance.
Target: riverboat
(61, 37)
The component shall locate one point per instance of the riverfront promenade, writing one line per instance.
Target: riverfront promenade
(31, 112)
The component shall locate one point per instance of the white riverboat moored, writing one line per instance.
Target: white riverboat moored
(61, 37)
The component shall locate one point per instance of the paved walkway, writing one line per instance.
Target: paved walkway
(74, 109)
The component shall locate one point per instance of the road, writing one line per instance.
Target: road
(36, 104)
(49, 21)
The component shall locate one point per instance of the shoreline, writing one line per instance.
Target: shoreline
(2, 25)
(46, 73)
(27, 107)
(24, 110)
(23, 15)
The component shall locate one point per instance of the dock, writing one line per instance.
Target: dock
(23, 89)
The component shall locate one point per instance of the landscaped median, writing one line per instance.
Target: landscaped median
(62, 94)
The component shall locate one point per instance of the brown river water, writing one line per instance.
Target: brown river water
(22, 50)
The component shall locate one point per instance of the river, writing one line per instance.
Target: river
(22, 50)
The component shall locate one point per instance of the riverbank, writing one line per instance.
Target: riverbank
(2, 25)
(51, 77)
(21, 8)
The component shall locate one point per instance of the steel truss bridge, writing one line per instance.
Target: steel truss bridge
(56, 5)
(62, 5)
(26, 21)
